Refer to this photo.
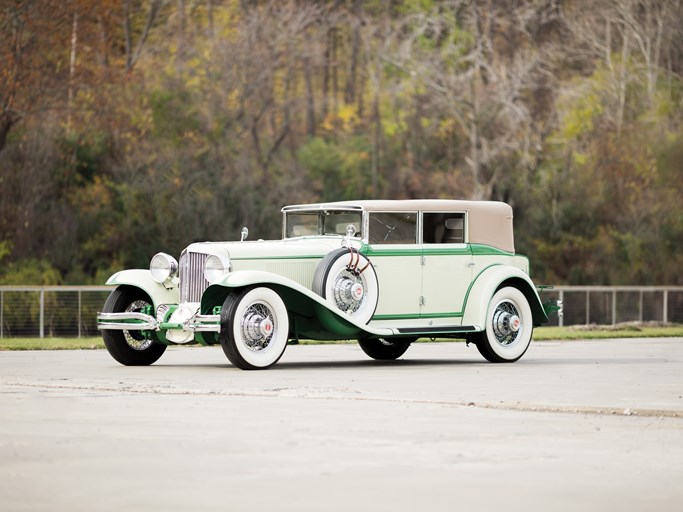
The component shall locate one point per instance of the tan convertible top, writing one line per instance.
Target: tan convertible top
(490, 222)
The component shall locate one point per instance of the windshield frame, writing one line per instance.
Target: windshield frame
(325, 221)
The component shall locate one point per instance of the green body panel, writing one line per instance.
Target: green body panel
(313, 313)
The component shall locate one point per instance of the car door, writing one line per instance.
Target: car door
(396, 256)
(447, 265)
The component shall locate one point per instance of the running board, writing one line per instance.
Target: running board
(447, 329)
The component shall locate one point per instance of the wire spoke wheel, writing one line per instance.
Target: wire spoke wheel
(137, 339)
(348, 281)
(509, 327)
(131, 347)
(258, 325)
(506, 325)
(254, 328)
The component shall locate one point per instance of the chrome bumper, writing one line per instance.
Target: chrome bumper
(141, 321)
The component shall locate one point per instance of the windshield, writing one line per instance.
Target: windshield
(323, 222)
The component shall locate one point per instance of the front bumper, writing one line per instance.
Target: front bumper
(128, 321)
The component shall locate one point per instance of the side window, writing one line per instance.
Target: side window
(393, 228)
(443, 228)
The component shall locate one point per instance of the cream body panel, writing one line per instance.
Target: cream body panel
(445, 281)
(399, 278)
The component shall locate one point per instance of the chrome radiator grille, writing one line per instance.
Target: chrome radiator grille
(192, 281)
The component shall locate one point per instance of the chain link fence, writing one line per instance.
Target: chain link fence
(69, 311)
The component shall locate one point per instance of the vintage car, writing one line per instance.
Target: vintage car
(384, 273)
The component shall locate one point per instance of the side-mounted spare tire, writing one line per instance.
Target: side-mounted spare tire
(347, 279)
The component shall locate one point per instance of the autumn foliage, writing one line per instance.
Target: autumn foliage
(128, 127)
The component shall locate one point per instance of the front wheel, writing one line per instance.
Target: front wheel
(509, 326)
(130, 347)
(386, 350)
(254, 328)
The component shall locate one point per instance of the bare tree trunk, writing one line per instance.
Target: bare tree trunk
(376, 143)
(622, 82)
(133, 56)
(209, 15)
(182, 23)
(475, 157)
(350, 89)
(72, 69)
(362, 77)
(310, 102)
(182, 28)
(6, 123)
(103, 54)
(335, 71)
(326, 72)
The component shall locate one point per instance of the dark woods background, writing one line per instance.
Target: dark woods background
(133, 126)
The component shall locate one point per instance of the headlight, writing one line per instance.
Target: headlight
(216, 267)
(163, 267)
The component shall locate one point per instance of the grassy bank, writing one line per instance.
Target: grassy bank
(51, 343)
(594, 332)
(540, 334)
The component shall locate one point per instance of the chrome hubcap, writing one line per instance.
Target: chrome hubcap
(507, 325)
(348, 292)
(258, 326)
(136, 339)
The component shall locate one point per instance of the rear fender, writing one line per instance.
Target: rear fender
(488, 282)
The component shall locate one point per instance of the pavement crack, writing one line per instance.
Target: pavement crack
(352, 395)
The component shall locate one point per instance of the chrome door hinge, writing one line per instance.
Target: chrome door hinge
(422, 301)
(422, 261)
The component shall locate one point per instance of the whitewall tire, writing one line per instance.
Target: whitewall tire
(254, 328)
(509, 327)
(348, 281)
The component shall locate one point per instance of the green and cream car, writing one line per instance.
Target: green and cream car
(384, 273)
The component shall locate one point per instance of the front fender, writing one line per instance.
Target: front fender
(485, 285)
(143, 279)
(296, 297)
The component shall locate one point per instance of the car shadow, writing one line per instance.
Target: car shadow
(337, 365)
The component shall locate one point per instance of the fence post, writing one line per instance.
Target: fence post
(79, 313)
(640, 307)
(42, 313)
(560, 320)
(588, 307)
(2, 314)
(665, 307)
(614, 307)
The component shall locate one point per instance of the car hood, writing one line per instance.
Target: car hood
(289, 248)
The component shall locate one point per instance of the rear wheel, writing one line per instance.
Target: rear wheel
(386, 350)
(130, 347)
(509, 327)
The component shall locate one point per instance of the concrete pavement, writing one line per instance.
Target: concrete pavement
(590, 425)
